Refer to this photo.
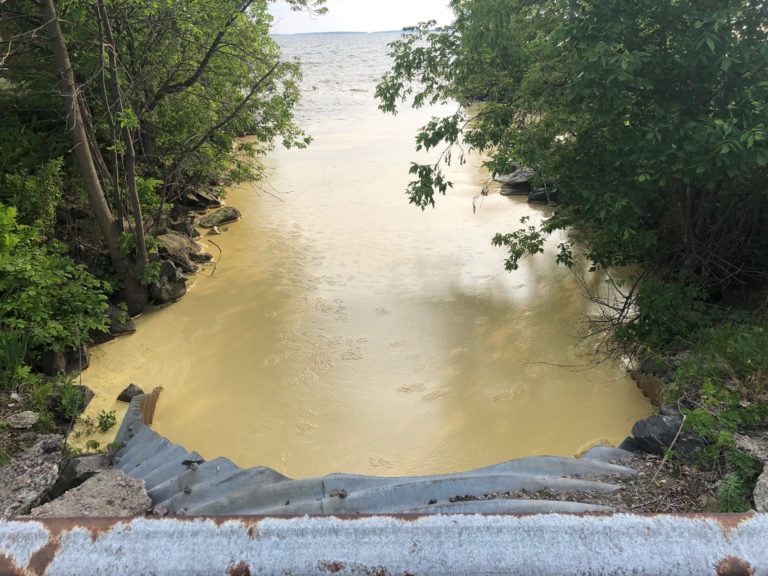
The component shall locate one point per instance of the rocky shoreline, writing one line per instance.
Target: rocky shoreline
(46, 481)
(41, 477)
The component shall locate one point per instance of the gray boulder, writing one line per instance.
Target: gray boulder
(200, 199)
(656, 433)
(108, 494)
(179, 249)
(77, 470)
(119, 324)
(222, 216)
(78, 360)
(761, 492)
(22, 420)
(543, 195)
(53, 362)
(201, 258)
(28, 478)
(519, 182)
(129, 393)
(185, 228)
(170, 284)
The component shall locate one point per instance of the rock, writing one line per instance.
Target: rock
(519, 182)
(120, 323)
(656, 433)
(761, 492)
(502, 178)
(202, 257)
(87, 395)
(651, 386)
(23, 420)
(214, 231)
(185, 228)
(129, 393)
(178, 249)
(54, 363)
(77, 470)
(25, 481)
(630, 445)
(657, 367)
(543, 195)
(200, 199)
(224, 215)
(78, 360)
(757, 446)
(108, 494)
(169, 286)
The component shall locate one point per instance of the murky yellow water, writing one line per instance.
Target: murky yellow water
(345, 331)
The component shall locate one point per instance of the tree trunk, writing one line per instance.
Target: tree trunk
(134, 293)
(130, 154)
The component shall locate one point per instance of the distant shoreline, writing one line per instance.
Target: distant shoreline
(334, 33)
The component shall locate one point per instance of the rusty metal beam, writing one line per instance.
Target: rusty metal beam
(388, 545)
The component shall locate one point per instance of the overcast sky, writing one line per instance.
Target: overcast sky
(361, 16)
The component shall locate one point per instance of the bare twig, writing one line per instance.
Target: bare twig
(666, 453)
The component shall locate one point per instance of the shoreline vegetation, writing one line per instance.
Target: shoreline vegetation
(652, 134)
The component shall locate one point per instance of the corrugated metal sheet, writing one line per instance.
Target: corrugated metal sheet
(180, 482)
(442, 545)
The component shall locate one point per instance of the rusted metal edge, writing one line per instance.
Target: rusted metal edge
(388, 545)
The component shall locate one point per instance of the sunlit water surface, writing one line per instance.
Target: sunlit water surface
(346, 331)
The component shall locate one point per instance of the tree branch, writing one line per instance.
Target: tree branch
(167, 88)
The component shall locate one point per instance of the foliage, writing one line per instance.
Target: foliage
(733, 496)
(734, 353)
(649, 118)
(13, 351)
(668, 314)
(44, 297)
(723, 387)
(39, 394)
(68, 399)
(106, 420)
(35, 195)
(154, 98)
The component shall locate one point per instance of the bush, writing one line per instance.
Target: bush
(43, 294)
(669, 313)
(723, 385)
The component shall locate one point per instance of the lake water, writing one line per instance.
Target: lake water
(346, 331)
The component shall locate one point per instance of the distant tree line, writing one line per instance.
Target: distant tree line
(649, 118)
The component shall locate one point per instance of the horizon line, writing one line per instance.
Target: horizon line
(336, 32)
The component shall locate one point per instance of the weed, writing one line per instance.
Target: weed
(91, 445)
(45, 422)
(71, 400)
(13, 350)
(106, 420)
(88, 425)
(38, 397)
(733, 495)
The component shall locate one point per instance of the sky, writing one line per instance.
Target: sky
(360, 16)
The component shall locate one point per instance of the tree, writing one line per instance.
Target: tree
(153, 106)
(650, 119)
